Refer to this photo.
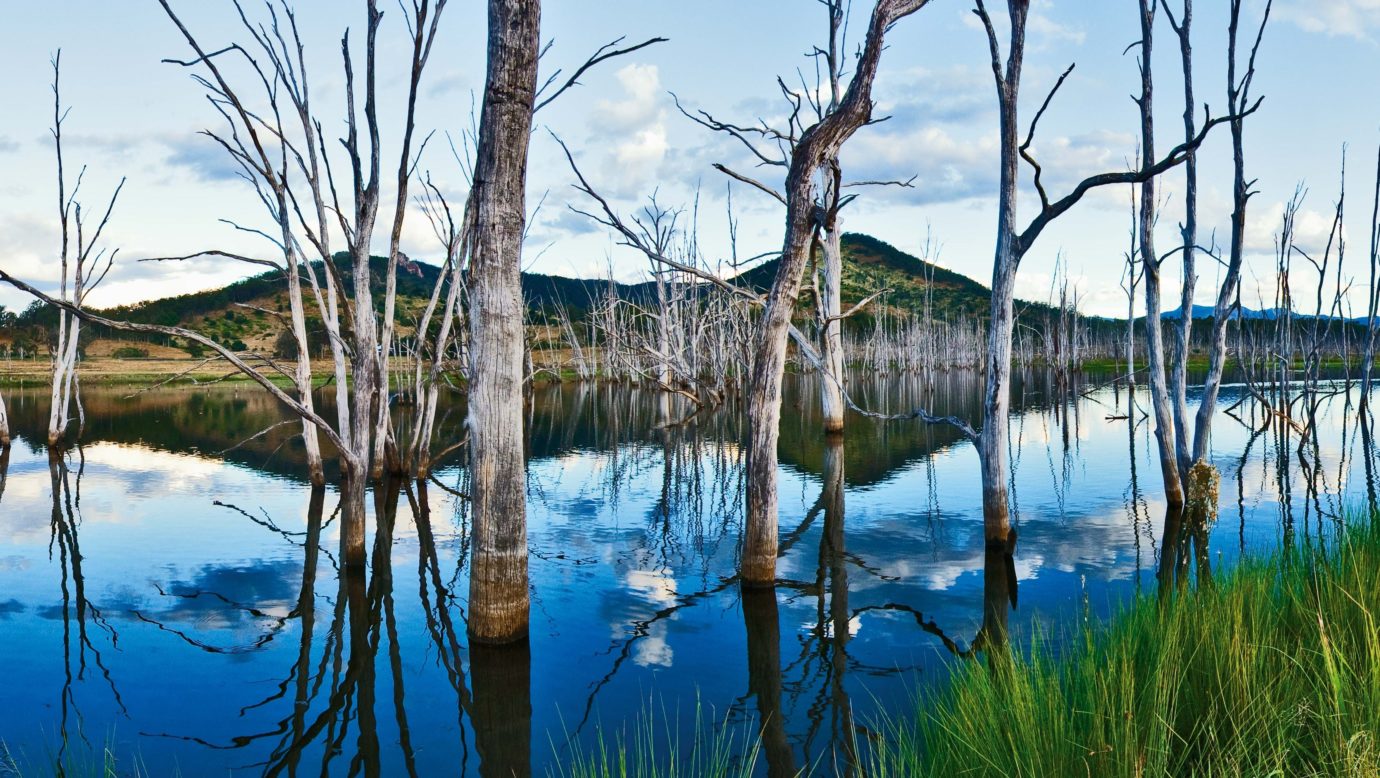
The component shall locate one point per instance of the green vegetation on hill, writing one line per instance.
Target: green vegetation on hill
(227, 314)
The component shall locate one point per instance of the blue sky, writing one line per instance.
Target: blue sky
(133, 116)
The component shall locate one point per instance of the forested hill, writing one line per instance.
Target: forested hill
(870, 265)
(228, 314)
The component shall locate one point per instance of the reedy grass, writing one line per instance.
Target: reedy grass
(94, 762)
(646, 748)
(1272, 671)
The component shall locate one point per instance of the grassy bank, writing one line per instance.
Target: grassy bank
(1275, 671)
(1272, 671)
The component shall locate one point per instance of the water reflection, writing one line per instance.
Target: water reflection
(190, 602)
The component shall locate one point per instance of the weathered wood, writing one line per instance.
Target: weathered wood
(817, 144)
(1160, 403)
(1012, 246)
(1188, 230)
(498, 574)
(1238, 97)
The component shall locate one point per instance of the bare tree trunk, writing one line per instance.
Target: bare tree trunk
(1178, 372)
(498, 574)
(1238, 96)
(819, 143)
(1012, 246)
(1372, 293)
(831, 334)
(4, 425)
(992, 441)
(1150, 264)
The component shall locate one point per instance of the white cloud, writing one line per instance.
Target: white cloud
(1345, 18)
(633, 129)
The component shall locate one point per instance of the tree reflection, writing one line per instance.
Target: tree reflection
(77, 612)
(763, 623)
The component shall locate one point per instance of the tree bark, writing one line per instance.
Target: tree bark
(831, 335)
(498, 575)
(819, 143)
(996, 410)
(1178, 375)
(1150, 264)
(1237, 97)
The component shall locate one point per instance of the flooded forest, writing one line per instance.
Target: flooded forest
(832, 509)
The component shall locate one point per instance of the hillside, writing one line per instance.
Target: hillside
(245, 314)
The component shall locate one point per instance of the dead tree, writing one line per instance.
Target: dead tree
(498, 570)
(1150, 271)
(268, 153)
(1013, 244)
(80, 265)
(4, 426)
(1372, 294)
(429, 355)
(814, 148)
(1184, 450)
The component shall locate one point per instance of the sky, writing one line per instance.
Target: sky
(135, 117)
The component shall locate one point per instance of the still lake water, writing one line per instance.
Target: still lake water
(179, 604)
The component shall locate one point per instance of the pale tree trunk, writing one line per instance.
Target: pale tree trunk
(4, 425)
(1012, 246)
(1238, 97)
(1373, 293)
(996, 401)
(498, 573)
(1150, 264)
(831, 333)
(1178, 373)
(302, 370)
(819, 143)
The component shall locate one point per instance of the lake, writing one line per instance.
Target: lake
(169, 588)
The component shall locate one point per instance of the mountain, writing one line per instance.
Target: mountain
(870, 264)
(247, 313)
(1252, 314)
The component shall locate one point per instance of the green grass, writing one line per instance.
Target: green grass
(94, 761)
(1273, 670)
(650, 750)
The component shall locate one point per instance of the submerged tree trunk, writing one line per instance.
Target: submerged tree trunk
(1150, 263)
(992, 441)
(1238, 96)
(831, 333)
(498, 574)
(502, 709)
(818, 144)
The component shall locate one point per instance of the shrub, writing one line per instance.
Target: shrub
(130, 352)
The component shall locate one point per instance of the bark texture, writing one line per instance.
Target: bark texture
(1150, 264)
(498, 576)
(831, 335)
(818, 144)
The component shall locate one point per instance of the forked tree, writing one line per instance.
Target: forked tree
(82, 264)
(809, 155)
(1181, 443)
(1014, 242)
